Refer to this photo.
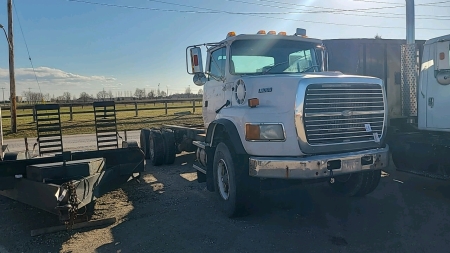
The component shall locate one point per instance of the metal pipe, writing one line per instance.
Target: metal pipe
(410, 22)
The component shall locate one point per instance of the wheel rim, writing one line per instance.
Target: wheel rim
(223, 178)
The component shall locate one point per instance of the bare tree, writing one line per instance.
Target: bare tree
(187, 90)
(200, 92)
(67, 96)
(33, 97)
(102, 95)
(110, 94)
(163, 93)
(85, 97)
(378, 37)
(139, 93)
(151, 94)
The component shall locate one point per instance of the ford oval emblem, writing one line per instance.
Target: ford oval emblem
(347, 113)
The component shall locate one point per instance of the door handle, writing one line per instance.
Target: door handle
(431, 102)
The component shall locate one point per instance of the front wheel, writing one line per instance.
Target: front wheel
(236, 190)
(357, 184)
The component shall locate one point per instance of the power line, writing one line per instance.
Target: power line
(262, 15)
(433, 4)
(333, 11)
(26, 45)
(337, 11)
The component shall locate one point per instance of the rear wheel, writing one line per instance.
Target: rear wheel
(357, 184)
(170, 149)
(156, 147)
(236, 191)
(144, 138)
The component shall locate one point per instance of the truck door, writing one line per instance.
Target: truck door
(438, 92)
(214, 94)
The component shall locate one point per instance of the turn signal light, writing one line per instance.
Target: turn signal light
(272, 32)
(442, 56)
(253, 102)
(261, 32)
(252, 132)
(282, 33)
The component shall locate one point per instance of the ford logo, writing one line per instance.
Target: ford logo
(347, 113)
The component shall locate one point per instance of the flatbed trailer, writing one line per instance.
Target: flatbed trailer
(68, 183)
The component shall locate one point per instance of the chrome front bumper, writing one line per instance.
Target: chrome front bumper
(317, 166)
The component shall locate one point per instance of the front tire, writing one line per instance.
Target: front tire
(357, 184)
(235, 189)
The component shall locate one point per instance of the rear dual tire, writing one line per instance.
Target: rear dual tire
(162, 149)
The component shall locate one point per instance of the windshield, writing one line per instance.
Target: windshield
(262, 56)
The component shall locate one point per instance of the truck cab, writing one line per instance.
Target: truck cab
(433, 87)
(271, 111)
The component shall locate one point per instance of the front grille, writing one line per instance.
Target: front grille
(343, 113)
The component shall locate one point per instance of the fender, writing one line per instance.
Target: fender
(225, 126)
(218, 127)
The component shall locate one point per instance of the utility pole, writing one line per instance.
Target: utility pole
(3, 89)
(12, 79)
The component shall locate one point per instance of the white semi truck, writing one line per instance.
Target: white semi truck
(271, 111)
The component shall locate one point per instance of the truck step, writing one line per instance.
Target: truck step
(198, 168)
(199, 144)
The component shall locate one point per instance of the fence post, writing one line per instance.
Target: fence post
(135, 108)
(71, 113)
(34, 114)
(165, 105)
(193, 106)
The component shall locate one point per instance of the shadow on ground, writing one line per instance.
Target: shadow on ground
(168, 211)
(174, 213)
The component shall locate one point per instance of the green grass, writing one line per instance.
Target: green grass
(83, 121)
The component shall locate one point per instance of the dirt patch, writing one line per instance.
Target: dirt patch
(168, 211)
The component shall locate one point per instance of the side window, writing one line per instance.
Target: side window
(217, 63)
(300, 60)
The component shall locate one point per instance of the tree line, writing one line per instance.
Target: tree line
(139, 94)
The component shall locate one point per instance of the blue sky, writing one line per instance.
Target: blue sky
(80, 47)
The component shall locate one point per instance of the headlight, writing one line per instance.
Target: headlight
(264, 132)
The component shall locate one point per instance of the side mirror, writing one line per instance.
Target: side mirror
(442, 66)
(196, 60)
(199, 79)
(442, 55)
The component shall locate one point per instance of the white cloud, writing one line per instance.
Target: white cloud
(54, 80)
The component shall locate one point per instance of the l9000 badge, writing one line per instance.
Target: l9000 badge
(264, 90)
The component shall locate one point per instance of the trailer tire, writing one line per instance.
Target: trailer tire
(357, 184)
(236, 191)
(144, 139)
(170, 149)
(156, 147)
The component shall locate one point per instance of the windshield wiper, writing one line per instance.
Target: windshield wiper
(271, 67)
(308, 68)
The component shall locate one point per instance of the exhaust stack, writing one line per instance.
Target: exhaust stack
(409, 71)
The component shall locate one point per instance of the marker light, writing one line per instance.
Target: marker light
(272, 32)
(253, 102)
(282, 33)
(261, 32)
(231, 34)
(442, 56)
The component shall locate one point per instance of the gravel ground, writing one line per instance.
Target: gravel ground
(168, 211)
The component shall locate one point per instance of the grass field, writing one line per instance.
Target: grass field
(83, 119)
